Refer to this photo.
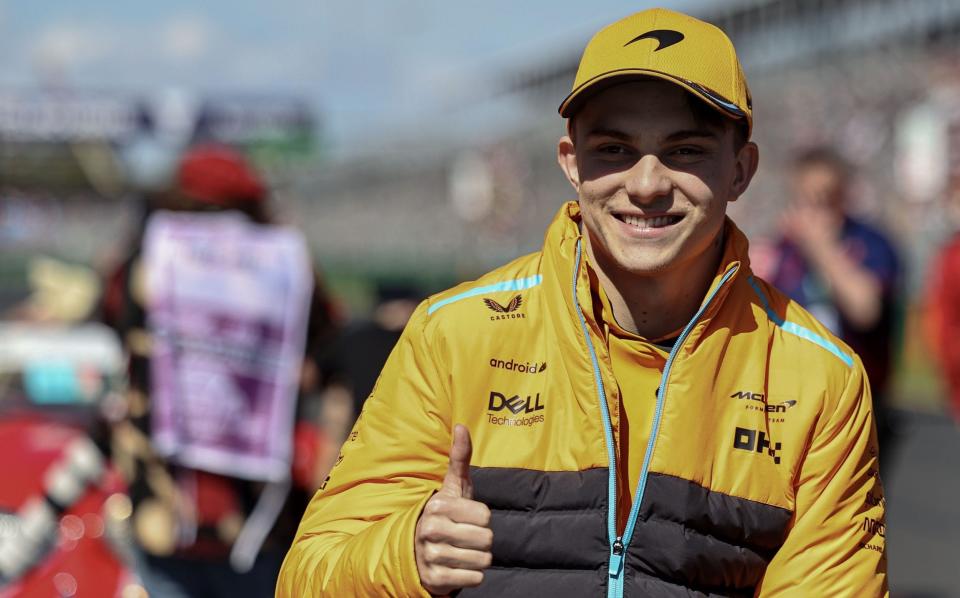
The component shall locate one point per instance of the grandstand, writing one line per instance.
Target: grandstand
(468, 187)
(845, 72)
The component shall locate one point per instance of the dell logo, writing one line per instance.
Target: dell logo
(516, 405)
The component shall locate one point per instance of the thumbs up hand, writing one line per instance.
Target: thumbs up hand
(453, 540)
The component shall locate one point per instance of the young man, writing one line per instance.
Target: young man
(628, 412)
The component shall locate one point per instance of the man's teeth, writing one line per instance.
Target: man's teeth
(658, 222)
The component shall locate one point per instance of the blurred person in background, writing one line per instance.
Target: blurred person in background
(942, 303)
(845, 271)
(188, 521)
(355, 359)
(149, 168)
(352, 363)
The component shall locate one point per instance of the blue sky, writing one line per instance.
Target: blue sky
(368, 65)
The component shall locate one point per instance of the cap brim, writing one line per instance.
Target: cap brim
(574, 101)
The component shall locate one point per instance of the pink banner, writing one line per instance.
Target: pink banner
(228, 302)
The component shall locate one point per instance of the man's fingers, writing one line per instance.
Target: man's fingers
(472, 537)
(461, 535)
(458, 510)
(458, 558)
(457, 481)
(470, 511)
(453, 539)
(441, 581)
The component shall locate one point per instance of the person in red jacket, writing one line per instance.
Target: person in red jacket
(942, 314)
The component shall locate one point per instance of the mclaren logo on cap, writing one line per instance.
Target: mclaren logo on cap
(665, 37)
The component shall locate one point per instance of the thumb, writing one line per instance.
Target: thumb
(457, 481)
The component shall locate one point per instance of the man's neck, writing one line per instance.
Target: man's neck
(658, 305)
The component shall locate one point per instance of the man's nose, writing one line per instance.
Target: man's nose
(648, 180)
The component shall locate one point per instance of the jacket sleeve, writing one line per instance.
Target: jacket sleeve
(356, 537)
(836, 543)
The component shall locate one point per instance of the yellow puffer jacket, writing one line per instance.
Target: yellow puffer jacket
(759, 479)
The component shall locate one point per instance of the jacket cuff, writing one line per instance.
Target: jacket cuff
(406, 535)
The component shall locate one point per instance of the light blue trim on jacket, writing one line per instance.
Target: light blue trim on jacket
(615, 583)
(519, 284)
(798, 330)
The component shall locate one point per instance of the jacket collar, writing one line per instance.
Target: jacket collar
(560, 257)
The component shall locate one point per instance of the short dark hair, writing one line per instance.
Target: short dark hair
(710, 117)
(821, 155)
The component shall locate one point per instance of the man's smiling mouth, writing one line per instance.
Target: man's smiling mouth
(642, 222)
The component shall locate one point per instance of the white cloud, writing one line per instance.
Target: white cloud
(186, 38)
(64, 47)
(183, 49)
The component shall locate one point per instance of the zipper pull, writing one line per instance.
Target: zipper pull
(616, 558)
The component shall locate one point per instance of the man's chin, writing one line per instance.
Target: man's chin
(645, 265)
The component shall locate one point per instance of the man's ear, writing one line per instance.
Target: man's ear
(567, 158)
(748, 158)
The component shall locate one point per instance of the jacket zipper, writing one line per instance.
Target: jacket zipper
(619, 544)
(616, 545)
(655, 427)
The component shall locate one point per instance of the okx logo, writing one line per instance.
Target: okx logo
(525, 407)
(746, 439)
(505, 312)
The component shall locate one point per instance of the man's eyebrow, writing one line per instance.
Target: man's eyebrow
(691, 133)
(602, 131)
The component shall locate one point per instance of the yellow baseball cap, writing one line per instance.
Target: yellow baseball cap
(667, 45)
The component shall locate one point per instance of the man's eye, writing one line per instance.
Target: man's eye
(688, 151)
(613, 150)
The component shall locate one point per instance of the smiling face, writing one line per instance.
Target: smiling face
(653, 173)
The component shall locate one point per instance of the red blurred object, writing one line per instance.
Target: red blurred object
(942, 317)
(307, 446)
(64, 513)
(81, 555)
(218, 175)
